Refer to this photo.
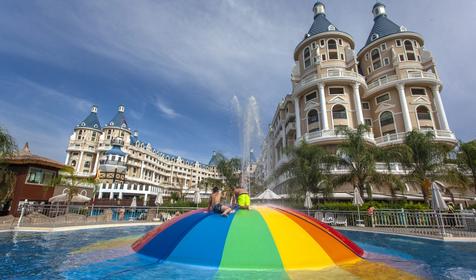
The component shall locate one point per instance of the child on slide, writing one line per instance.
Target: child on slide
(214, 203)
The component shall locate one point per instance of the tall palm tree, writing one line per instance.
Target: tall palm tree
(466, 160)
(229, 169)
(425, 161)
(7, 177)
(309, 169)
(360, 159)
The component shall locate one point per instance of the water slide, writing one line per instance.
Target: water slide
(265, 237)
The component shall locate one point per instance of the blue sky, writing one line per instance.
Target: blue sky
(177, 64)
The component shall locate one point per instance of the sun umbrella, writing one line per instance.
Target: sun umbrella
(438, 204)
(358, 201)
(159, 200)
(267, 195)
(78, 198)
(134, 202)
(197, 198)
(308, 202)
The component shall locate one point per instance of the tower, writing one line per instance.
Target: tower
(326, 84)
(403, 86)
(81, 152)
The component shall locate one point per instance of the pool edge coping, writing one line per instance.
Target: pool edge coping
(444, 239)
(80, 227)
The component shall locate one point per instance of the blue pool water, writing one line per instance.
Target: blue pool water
(56, 256)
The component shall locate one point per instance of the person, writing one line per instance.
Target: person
(241, 198)
(451, 215)
(214, 203)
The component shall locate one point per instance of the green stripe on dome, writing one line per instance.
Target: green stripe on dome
(249, 244)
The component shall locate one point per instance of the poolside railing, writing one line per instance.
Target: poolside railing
(75, 215)
(422, 223)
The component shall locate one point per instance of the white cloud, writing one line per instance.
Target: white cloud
(166, 110)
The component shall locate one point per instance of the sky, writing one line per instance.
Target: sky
(176, 65)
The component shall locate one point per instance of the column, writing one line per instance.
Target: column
(120, 194)
(403, 103)
(111, 194)
(358, 104)
(141, 169)
(440, 109)
(78, 164)
(146, 196)
(322, 100)
(297, 112)
(100, 191)
(96, 163)
(67, 159)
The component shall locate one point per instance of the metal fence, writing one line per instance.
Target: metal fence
(73, 215)
(422, 223)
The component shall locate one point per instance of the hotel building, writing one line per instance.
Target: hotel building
(391, 84)
(128, 166)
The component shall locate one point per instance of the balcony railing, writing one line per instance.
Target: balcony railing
(331, 133)
(339, 115)
(382, 81)
(409, 75)
(397, 138)
(331, 73)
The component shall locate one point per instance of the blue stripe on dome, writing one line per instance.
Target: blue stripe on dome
(91, 121)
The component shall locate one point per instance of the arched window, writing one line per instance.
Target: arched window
(312, 117)
(386, 118)
(332, 47)
(423, 113)
(409, 50)
(338, 112)
(376, 60)
(307, 57)
(73, 163)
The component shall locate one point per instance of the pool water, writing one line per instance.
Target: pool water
(106, 254)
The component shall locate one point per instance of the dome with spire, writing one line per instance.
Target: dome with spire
(321, 24)
(92, 120)
(383, 26)
(216, 158)
(119, 119)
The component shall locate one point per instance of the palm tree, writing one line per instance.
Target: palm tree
(425, 161)
(207, 183)
(466, 160)
(308, 167)
(7, 177)
(71, 182)
(360, 158)
(229, 169)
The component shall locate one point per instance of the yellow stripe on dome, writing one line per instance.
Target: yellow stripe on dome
(298, 250)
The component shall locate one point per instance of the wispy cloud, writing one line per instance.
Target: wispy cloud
(166, 110)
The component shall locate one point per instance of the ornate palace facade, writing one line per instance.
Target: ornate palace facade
(391, 84)
(127, 166)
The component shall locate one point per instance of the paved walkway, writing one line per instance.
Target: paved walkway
(428, 233)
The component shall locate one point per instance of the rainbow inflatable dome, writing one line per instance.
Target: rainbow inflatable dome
(265, 237)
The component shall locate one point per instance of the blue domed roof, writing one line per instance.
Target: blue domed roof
(119, 119)
(91, 121)
(320, 25)
(383, 26)
(116, 151)
(216, 158)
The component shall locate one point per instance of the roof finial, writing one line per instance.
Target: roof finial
(25, 150)
(94, 109)
(319, 8)
(379, 9)
(121, 108)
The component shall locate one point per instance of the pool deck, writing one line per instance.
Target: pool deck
(451, 236)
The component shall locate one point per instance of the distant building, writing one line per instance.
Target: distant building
(391, 84)
(126, 165)
(33, 178)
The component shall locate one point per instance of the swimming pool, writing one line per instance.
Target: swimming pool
(105, 254)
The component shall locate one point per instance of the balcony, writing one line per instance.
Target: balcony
(399, 138)
(392, 80)
(330, 74)
(330, 136)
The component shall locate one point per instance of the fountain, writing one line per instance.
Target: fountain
(248, 123)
